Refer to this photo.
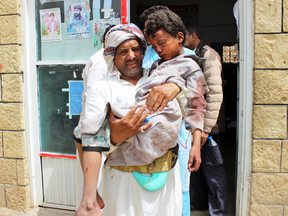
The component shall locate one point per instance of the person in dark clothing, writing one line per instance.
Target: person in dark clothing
(209, 183)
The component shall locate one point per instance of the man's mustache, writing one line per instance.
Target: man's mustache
(135, 59)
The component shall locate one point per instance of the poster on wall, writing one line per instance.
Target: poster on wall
(50, 20)
(77, 15)
(100, 26)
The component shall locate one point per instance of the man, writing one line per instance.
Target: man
(210, 181)
(46, 20)
(122, 194)
(79, 23)
(53, 24)
(77, 13)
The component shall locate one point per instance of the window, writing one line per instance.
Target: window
(68, 33)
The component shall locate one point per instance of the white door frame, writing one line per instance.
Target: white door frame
(246, 59)
(31, 102)
(246, 47)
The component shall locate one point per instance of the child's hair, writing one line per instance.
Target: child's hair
(193, 27)
(166, 20)
(147, 12)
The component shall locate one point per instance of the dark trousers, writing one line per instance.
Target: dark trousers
(209, 183)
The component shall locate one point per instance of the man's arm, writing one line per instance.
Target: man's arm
(212, 72)
(159, 96)
(129, 125)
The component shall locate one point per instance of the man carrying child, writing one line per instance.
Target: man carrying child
(122, 193)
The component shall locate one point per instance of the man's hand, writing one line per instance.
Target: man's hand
(160, 95)
(88, 210)
(204, 137)
(194, 161)
(129, 125)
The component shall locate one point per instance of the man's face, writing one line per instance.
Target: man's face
(128, 59)
(47, 18)
(166, 46)
(76, 12)
(190, 41)
(52, 18)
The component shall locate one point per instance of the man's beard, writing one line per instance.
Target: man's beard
(76, 15)
(130, 72)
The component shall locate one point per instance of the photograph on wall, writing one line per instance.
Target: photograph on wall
(77, 15)
(100, 26)
(50, 20)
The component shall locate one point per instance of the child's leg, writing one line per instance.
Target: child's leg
(162, 135)
(91, 168)
(80, 152)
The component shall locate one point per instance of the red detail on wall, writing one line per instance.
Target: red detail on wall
(124, 12)
(0, 67)
(57, 155)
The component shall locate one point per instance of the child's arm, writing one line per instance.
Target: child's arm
(197, 88)
(160, 95)
(195, 155)
(196, 111)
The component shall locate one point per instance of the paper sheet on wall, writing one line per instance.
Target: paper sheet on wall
(75, 92)
(50, 25)
(96, 9)
(46, 1)
(77, 16)
(107, 5)
(100, 26)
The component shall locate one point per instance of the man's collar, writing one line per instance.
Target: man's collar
(118, 74)
(199, 47)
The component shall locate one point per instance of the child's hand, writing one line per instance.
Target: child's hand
(160, 95)
(194, 161)
(204, 137)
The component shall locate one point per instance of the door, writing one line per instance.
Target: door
(67, 34)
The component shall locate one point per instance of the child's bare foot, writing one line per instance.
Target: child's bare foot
(84, 210)
(100, 201)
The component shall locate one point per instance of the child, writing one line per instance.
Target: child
(166, 32)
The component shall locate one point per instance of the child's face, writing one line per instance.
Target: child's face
(167, 46)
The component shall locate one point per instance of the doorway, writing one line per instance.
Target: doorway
(220, 32)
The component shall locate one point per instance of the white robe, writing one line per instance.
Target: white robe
(123, 196)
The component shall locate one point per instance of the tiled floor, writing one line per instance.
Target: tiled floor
(55, 212)
(36, 212)
(199, 213)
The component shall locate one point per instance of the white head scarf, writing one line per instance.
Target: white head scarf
(116, 36)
